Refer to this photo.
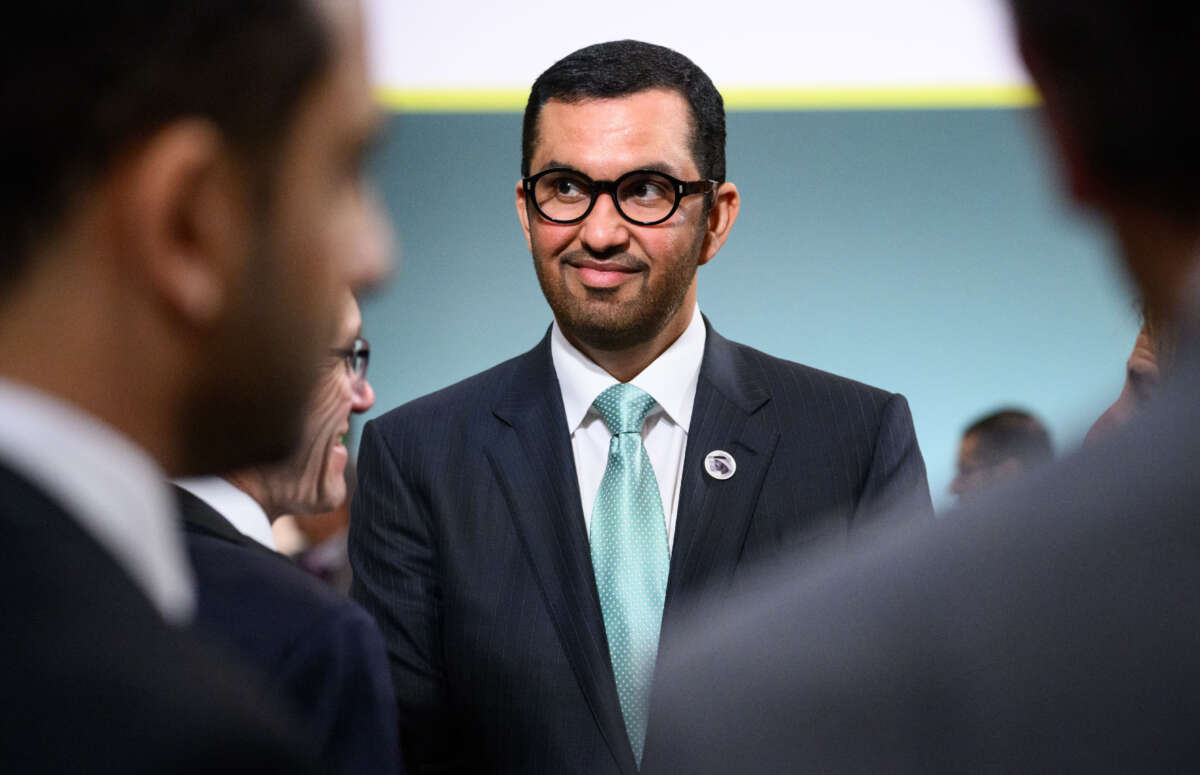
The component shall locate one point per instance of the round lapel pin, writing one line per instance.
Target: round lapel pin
(719, 464)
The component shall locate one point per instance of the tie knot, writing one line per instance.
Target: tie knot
(624, 407)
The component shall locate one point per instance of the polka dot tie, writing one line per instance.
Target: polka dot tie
(629, 555)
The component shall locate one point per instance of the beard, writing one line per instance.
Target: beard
(601, 320)
(259, 366)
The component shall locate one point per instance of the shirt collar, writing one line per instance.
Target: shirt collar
(671, 379)
(236, 506)
(109, 485)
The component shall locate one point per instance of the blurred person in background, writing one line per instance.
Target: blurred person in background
(1146, 368)
(997, 447)
(1051, 625)
(181, 215)
(317, 649)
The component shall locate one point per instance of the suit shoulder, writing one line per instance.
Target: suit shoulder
(238, 585)
(183, 707)
(463, 398)
(782, 374)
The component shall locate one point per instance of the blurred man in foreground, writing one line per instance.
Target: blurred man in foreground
(1053, 626)
(180, 217)
(318, 650)
(997, 447)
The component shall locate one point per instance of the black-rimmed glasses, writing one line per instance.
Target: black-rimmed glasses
(355, 357)
(642, 197)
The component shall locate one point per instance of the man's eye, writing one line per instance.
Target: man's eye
(565, 187)
(647, 190)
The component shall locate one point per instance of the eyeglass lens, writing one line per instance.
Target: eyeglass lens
(645, 197)
(360, 355)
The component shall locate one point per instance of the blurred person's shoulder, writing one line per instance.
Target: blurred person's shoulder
(98, 682)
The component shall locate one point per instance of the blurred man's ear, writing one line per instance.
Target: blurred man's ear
(183, 207)
(1078, 177)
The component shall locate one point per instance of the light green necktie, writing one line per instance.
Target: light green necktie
(629, 555)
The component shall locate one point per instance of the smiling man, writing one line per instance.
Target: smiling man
(525, 537)
(319, 651)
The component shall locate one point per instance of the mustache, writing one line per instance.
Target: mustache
(612, 261)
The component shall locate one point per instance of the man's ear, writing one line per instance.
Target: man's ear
(523, 213)
(721, 215)
(184, 209)
(1078, 177)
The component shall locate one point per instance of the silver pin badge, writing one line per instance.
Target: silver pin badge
(720, 464)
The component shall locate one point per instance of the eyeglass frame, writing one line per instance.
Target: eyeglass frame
(360, 349)
(681, 188)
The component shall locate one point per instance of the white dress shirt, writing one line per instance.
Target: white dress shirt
(108, 484)
(242, 511)
(671, 380)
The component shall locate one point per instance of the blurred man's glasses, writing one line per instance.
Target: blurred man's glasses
(642, 197)
(355, 357)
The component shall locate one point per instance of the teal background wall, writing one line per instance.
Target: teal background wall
(926, 252)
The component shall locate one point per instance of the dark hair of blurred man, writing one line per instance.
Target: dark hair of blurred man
(1052, 625)
(526, 536)
(999, 446)
(180, 217)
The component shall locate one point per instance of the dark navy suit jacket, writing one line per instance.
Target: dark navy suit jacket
(94, 680)
(468, 542)
(319, 651)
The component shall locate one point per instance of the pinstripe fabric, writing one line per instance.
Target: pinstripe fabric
(468, 542)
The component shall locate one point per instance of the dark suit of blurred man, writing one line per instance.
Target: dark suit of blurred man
(525, 537)
(1053, 626)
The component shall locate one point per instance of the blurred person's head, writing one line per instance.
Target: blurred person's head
(998, 446)
(618, 268)
(182, 213)
(1146, 367)
(313, 479)
(1119, 82)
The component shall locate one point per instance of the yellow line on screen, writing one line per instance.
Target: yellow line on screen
(738, 98)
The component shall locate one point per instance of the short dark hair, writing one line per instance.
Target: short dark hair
(1124, 74)
(623, 67)
(1011, 433)
(83, 83)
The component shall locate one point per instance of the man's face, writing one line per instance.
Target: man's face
(1141, 382)
(613, 284)
(313, 479)
(976, 470)
(320, 235)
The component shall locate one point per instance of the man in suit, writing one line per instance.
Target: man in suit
(1053, 626)
(153, 277)
(520, 535)
(318, 650)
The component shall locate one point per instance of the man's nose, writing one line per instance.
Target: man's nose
(362, 396)
(604, 230)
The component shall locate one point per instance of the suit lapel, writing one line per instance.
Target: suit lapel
(715, 514)
(532, 458)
